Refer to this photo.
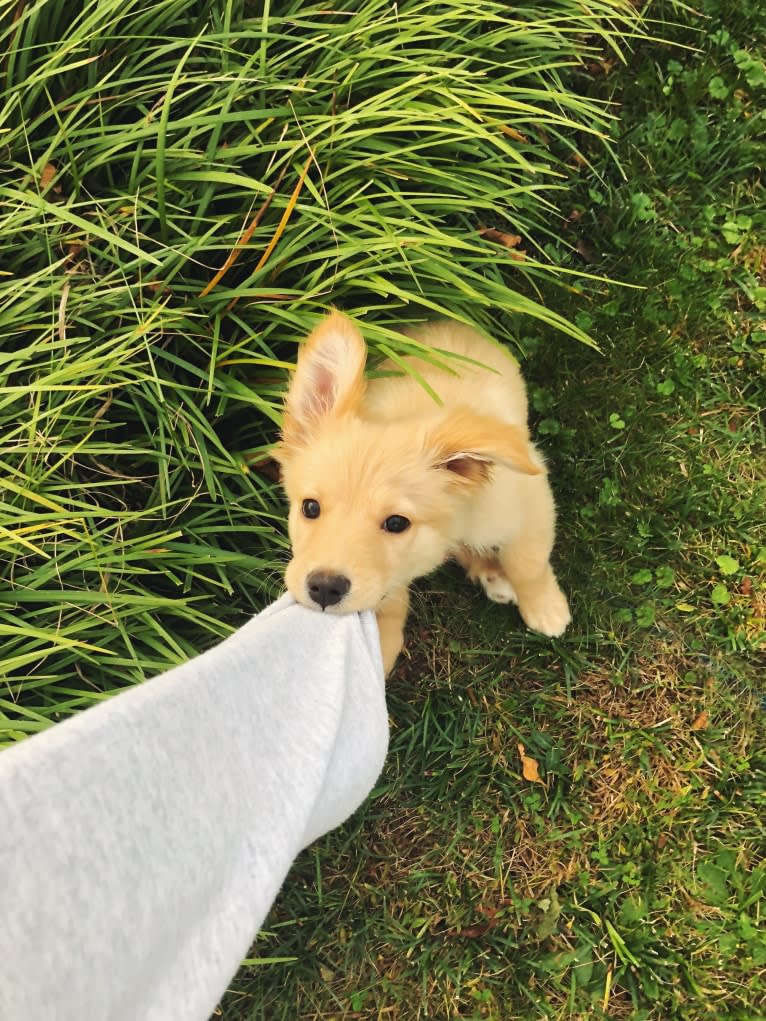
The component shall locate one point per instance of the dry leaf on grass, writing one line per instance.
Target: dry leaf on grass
(702, 721)
(48, 176)
(513, 133)
(599, 67)
(529, 768)
(585, 253)
(500, 237)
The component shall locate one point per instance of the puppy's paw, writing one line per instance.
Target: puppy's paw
(497, 587)
(548, 614)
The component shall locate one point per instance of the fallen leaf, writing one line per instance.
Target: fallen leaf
(746, 586)
(702, 721)
(529, 768)
(584, 252)
(513, 133)
(73, 249)
(48, 176)
(597, 67)
(500, 237)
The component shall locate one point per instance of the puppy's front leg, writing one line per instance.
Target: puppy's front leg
(542, 604)
(391, 616)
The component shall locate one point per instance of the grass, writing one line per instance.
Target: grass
(184, 188)
(629, 883)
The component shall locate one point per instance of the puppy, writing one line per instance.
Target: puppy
(385, 482)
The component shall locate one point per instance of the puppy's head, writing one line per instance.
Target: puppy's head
(374, 504)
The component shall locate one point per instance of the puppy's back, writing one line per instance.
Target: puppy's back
(495, 386)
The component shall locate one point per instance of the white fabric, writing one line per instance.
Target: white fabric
(143, 841)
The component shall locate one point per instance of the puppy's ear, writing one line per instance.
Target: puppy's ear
(329, 378)
(468, 444)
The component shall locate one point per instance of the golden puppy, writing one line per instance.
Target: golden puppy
(385, 483)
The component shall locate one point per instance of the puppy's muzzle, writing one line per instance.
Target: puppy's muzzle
(327, 589)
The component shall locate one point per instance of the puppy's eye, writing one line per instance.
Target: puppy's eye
(396, 523)
(310, 508)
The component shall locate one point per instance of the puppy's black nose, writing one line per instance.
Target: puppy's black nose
(327, 589)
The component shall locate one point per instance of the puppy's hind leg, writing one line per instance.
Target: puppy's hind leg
(487, 572)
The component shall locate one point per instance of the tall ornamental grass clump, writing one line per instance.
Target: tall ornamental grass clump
(183, 188)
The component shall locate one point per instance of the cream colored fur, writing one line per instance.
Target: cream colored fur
(465, 474)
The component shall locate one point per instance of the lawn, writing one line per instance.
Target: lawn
(630, 882)
(141, 388)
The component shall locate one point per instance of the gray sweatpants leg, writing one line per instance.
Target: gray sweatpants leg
(143, 841)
